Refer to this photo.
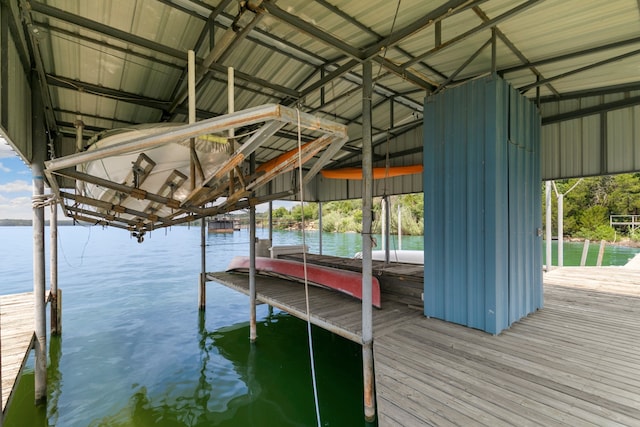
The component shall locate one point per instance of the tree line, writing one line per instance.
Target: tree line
(588, 204)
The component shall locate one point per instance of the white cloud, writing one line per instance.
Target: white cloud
(5, 149)
(16, 208)
(15, 186)
(3, 168)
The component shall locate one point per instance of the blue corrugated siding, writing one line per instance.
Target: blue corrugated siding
(482, 205)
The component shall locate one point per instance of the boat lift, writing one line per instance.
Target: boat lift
(163, 208)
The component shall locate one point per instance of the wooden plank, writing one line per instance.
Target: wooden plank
(574, 362)
(17, 321)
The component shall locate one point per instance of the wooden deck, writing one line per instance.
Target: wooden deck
(574, 362)
(330, 310)
(17, 323)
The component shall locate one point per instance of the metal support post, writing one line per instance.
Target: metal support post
(547, 198)
(560, 230)
(367, 265)
(56, 297)
(252, 261)
(202, 294)
(320, 228)
(399, 227)
(37, 170)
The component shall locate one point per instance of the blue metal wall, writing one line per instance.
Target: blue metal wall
(483, 264)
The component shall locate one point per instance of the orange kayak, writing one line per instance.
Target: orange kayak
(378, 173)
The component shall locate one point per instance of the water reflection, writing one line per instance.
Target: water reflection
(242, 384)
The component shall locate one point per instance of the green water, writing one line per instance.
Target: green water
(135, 351)
(613, 254)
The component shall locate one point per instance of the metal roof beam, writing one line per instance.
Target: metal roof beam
(449, 8)
(571, 55)
(487, 24)
(621, 89)
(118, 95)
(596, 109)
(98, 27)
(513, 48)
(313, 31)
(34, 46)
(15, 27)
(369, 31)
(338, 72)
(148, 44)
(106, 45)
(248, 19)
(208, 28)
(617, 58)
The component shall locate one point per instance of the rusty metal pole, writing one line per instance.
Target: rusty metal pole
(367, 265)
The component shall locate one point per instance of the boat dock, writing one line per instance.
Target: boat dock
(17, 333)
(575, 362)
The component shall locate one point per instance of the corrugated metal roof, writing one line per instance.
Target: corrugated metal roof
(117, 62)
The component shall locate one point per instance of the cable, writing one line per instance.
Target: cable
(306, 279)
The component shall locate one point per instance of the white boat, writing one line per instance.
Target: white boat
(397, 255)
(144, 178)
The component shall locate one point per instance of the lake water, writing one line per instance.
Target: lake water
(135, 351)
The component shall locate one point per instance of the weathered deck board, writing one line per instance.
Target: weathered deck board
(574, 362)
(339, 313)
(16, 321)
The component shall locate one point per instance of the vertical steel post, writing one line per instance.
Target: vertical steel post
(560, 230)
(494, 48)
(271, 215)
(367, 266)
(547, 200)
(56, 324)
(399, 227)
(38, 138)
(202, 294)
(191, 86)
(252, 260)
(386, 225)
(383, 227)
(320, 227)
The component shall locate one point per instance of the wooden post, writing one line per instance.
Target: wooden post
(585, 251)
(600, 253)
(367, 265)
(56, 309)
(39, 143)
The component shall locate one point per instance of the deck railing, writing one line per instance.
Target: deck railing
(632, 221)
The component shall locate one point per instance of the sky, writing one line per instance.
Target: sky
(15, 185)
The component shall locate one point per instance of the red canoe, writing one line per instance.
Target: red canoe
(348, 282)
